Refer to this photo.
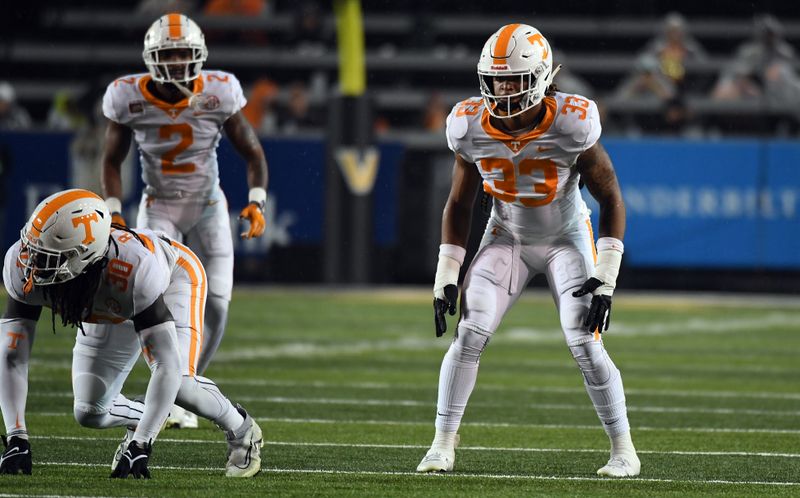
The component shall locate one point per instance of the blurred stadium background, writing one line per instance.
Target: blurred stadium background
(702, 125)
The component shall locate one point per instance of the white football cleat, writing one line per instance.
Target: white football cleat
(121, 448)
(181, 419)
(244, 448)
(622, 465)
(439, 459)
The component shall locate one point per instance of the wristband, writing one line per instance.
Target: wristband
(454, 252)
(609, 259)
(259, 196)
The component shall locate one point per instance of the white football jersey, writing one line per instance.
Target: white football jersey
(531, 176)
(177, 145)
(136, 274)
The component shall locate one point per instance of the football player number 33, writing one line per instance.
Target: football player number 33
(168, 165)
(506, 189)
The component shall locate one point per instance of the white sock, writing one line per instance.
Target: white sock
(201, 396)
(622, 444)
(444, 440)
(456, 381)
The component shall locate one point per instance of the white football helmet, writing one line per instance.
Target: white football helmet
(516, 50)
(169, 32)
(67, 232)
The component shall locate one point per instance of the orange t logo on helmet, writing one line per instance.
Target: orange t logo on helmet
(86, 220)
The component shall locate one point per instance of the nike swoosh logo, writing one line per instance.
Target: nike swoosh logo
(539, 148)
(13, 452)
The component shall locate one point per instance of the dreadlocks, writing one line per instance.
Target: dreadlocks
(74, 298)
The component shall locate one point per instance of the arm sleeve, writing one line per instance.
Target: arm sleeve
(109, 109)
(455, 131)
(149, 282)
(237, 95)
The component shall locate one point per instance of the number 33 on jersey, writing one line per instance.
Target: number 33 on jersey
(534, 169)
(177, 144)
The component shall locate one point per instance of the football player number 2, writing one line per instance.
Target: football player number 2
(506, 189)
(166, 132)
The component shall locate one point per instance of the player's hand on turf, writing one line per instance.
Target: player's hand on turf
(134, 462)
(599, 316)
(16, 458)
(445, 303)
(253, 213)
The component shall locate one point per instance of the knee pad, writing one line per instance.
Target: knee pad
(90, 392)
(596, 367)
(87, 415)
(469, 344)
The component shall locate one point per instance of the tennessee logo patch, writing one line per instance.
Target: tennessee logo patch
(210, 103)
(136, 107)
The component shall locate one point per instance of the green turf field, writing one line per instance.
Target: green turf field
(344, 386)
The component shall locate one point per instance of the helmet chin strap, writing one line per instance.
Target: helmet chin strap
(196, 100)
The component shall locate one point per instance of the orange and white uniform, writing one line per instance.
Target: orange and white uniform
(531, 176)
(182, 198)
(539, 222)
(177, 145)
(135, 276)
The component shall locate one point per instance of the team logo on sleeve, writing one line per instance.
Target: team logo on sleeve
(210, 103)
(136, 107)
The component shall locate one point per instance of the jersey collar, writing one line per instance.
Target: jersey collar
(517, 143)
(173, 110)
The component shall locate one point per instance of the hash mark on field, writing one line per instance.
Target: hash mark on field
(453, 475)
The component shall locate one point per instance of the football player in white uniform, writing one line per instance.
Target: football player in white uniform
(176, 113)
(528, 146)
(126, 291)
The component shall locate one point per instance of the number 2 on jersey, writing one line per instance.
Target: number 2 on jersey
(168, 166)
(506, 189)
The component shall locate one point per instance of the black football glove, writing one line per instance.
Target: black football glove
(440, 306)
(134, 462)
(599, 316)
(16, 458)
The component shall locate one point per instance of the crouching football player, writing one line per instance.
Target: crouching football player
(126, 291)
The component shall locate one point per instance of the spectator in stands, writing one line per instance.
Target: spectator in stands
(673, 48)
(65, 112)
(436, 112)
(235, 7)
(761, 66)
(241, 8)
(12, 115)
(155, 8)
(310, 34)
(260, 109)
(737, 82)
(569, 82)
(298, 115)
(646, 82)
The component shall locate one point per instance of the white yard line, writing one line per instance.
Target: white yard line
(497, 387)
(429, 403)
(733, 430)
(452, 475)
(425, 447)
